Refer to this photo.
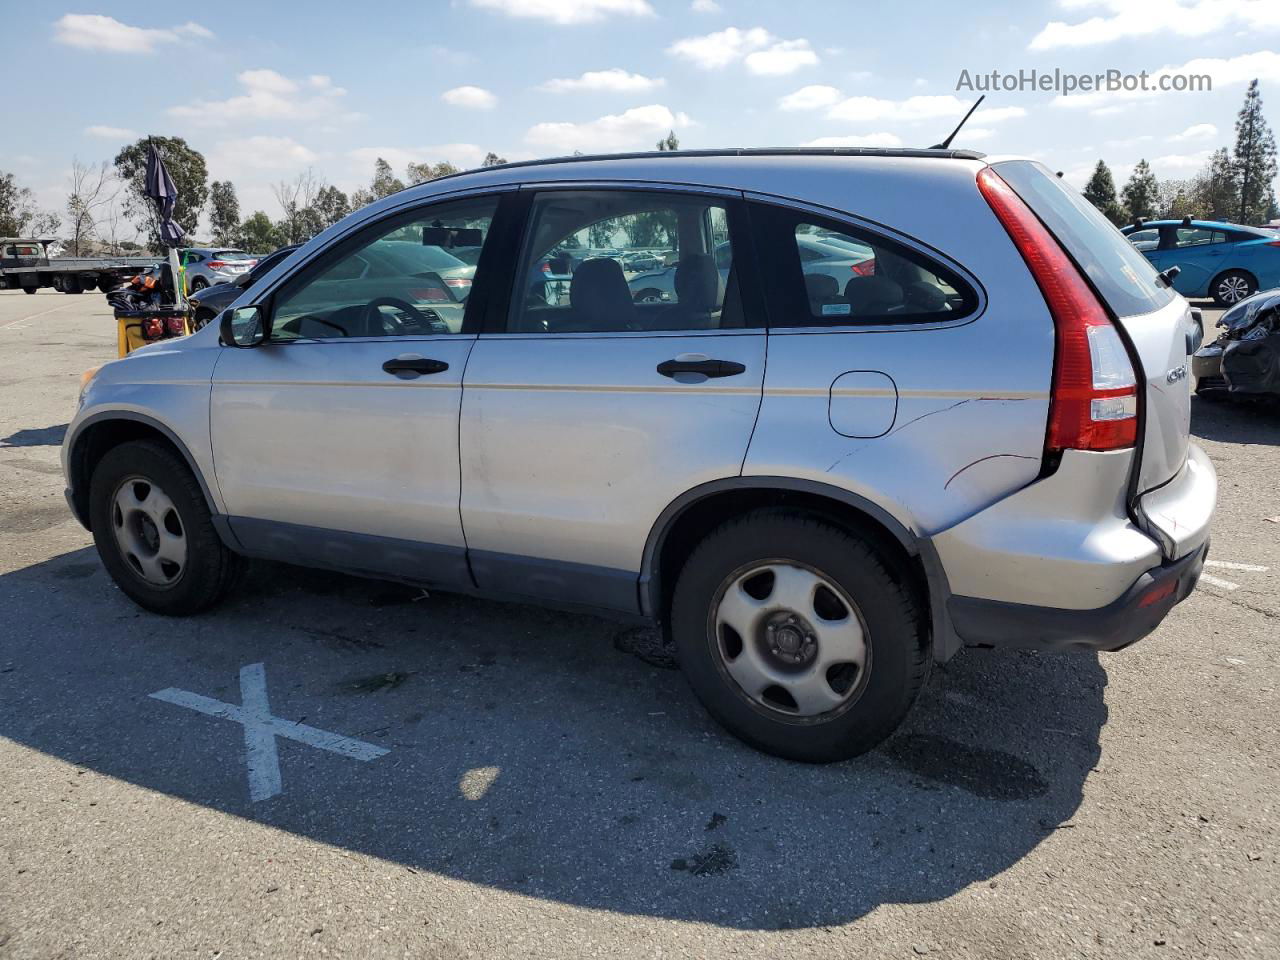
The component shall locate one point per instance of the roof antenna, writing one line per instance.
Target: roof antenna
(947, 142)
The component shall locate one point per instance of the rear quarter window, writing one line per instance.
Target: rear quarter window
(1124, 279)
(824, 272)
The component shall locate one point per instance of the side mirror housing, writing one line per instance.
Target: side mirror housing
(242, 327)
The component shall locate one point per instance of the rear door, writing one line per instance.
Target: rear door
(1157, 321)
(1198, 254)
(587, 408)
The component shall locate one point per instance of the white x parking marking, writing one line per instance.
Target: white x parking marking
(261, 730)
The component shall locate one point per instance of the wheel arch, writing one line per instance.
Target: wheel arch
(695, 513)
(107, 430)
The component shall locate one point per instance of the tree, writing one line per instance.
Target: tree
(1215, 189)
(1141, 193)
(491, 159)
(384, 185)
(91, 190)
(1178, 199)
(224, 211)
(669, 142)
(1101, 192)
(1255, 159)
(19, 215)
(331, 205)
(258, 234)
(190, 176)
(422, 172)
(296, 198)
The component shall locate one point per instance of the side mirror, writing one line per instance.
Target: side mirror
(242, 327)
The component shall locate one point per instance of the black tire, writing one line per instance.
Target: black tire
(898, 654)
(648, 295)
(29, 290)
(1232, 286)
(72, 285)
(210, 567)
(199, 283)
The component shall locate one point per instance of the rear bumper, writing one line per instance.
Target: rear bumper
(1136, 613)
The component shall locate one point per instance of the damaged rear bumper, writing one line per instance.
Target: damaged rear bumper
(1137, 612)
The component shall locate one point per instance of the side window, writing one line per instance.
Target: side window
(1145, 240)
(1195, 237)
(830, 273)
(402, 279)
(605, 261)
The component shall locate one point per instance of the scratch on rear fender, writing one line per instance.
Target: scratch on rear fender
(994, 456)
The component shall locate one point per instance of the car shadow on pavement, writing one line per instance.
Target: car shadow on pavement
(530, 752)
(36, 437)
(1231, 420)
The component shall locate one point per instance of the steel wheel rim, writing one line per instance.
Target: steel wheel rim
(1233, 289)
(789, 640)
(149, 532)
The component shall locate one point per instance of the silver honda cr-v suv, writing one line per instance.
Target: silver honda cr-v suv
(817, 482)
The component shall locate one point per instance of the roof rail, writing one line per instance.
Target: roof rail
(736, 152)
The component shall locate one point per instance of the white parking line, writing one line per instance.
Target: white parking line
(1227, 565)
(1224, 584)
(13, 324)
(261, 730)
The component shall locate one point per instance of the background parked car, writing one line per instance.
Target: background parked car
(209, 265)
(209, 301)
(1221, 260)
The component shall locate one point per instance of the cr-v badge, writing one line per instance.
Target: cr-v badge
(1176, 374)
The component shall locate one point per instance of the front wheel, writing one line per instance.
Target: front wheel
(1232, 287)
(154, 532)
(798, 636)
(28, 290)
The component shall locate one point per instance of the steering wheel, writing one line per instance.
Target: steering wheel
(417, 319)
(312, 318)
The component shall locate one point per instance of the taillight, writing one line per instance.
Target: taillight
(217, 264)
(1094, 405)
(867, 268)
(1273, 243)
(457, 281)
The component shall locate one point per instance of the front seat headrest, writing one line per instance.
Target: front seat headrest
(697, 283)
(821, 287)
(599, 296)
(872, 296)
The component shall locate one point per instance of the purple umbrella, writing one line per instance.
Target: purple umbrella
(159, 186)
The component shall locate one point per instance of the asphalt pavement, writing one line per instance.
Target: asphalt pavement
(328, 766)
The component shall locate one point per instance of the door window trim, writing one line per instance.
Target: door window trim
(784, 285)
(745, 269)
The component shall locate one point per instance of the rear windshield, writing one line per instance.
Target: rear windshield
(1123, 277)
(232, 255)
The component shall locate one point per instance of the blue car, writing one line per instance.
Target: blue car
(1221, 260)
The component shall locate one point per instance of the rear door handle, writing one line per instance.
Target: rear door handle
(406, 368)
(702, 365)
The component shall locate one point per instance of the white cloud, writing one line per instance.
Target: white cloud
(567, 11)
(857, 140)
(1228, 72)
(268, 96)
(1197, 131)
(614, 80)
(783, 57)
(110, 133)
(93, 31)
(717, 50)
(473, 98)
(864, 109)
(813, 97)
(1119, 19)
(761, 51)
(704, 6)
(260, 154)
(970, 134)
(1180, 163)
(637, 128)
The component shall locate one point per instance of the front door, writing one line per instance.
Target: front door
(594, 404)
(336, 442)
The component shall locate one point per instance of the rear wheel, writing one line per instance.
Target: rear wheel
(154, 532)
(28, 290)
(199, 283)
(798, 636)
(1232, 287)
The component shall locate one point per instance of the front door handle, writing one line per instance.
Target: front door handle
(407, 368)
(703, 365)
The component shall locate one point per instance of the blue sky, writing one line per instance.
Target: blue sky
(266, 90)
